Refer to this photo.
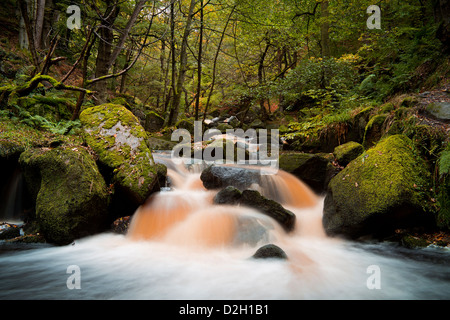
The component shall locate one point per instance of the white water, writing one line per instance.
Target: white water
(199, 257)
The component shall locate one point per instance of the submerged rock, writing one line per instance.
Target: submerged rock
(253, 199)
(271, 208)
(69, 192)
(383, 189)
(230, 195)
(270, 251)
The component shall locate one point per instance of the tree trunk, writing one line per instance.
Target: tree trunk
(324, 30)
(125, 32)
(29, 29)
(104, 51)
(261, 78)
(173, 116)
(215, 62)
(39, 24)
(199, 61)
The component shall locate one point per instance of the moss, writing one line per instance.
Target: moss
(409, 102)
(70, 193)
(412, 242)
(373, 131)
(347, 152)
(116, 135)
(444, 189)
(388, 180)
(386, 108)
(185, 124)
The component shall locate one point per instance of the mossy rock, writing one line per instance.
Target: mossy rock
(315, 170)
(348, 152)
(412, 242)
(385, 188)
(186, 124)
(443, 198)
(374, 130)
(223, 127)
(69, 192)
(409, 101)
(439, 110)
(120, 142)
(153, 122)
(386, 108)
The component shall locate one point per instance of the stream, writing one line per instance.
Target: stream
(181, 246)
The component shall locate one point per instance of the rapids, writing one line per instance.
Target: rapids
(182, 246)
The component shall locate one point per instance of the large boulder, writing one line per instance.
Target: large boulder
(70, 194)
(383, 189)
(120, 142)
(315, 170)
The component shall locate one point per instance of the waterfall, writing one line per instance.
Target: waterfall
(187, 214)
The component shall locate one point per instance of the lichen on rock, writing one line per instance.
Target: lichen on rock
(120, 142)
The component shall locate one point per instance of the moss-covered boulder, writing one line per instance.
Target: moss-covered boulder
(69, 192)
(120, 142)
(348, 152)
(374, 130)
(383, 189)
(315, 170)
(444, 189)
(153, 122)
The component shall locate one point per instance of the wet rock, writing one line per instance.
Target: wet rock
(230, 195)
(270, 251)
(253, 199)
(271, 208)
(9, 231)
(218, 177)
(121, 225)
(412, 242)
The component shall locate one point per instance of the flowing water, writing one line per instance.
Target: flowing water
(182, 246)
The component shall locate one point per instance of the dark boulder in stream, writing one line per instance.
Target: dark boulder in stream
(218, 177)
(253, 199)
(270, 251)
